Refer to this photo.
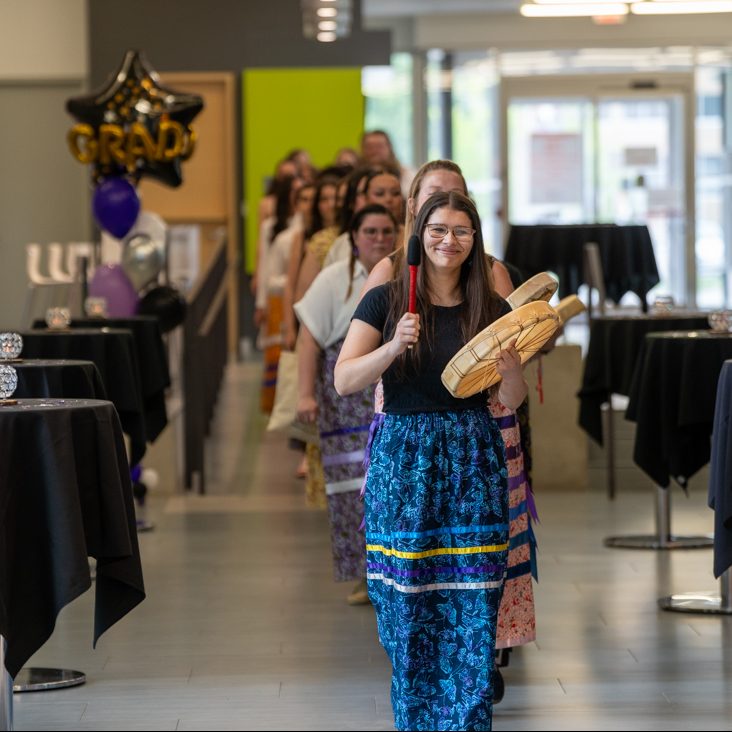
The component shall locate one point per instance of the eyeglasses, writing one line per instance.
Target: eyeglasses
(461, 233)
(372, 233)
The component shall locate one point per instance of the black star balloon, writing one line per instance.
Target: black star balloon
(133, 125)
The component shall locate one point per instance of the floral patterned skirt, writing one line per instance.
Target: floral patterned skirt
(437, 546)
(343, 423)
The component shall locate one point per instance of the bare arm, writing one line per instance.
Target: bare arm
(513, 388)
(363, 357)
(308, 272)
(380, 274)
(501, 279)
(307, 365)
(288, 313)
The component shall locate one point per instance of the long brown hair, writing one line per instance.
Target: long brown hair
(480, 302)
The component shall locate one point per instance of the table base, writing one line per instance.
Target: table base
(43, 679)
(695, 602)
(663, 538)
(702, 602)
(653, 541)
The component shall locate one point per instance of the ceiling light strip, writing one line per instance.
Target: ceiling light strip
(681, 7)
(568, 10)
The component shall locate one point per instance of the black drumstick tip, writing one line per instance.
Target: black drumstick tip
(414, 251)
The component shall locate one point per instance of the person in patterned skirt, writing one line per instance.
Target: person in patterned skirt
(436, 489)
(343, 422)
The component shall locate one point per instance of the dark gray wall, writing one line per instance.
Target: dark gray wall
(44, 192)
(220, 35)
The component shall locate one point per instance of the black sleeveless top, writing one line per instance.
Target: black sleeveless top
(423, 390)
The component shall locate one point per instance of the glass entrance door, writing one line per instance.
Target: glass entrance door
(589, 150)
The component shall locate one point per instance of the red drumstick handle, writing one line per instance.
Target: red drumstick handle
(412, 288)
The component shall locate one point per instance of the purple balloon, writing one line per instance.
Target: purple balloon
(116, 206)
(111, 283)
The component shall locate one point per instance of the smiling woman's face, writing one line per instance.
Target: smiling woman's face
(448, 252)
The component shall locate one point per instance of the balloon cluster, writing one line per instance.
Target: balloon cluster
(134, 126)
(131, 127)
(132, 286)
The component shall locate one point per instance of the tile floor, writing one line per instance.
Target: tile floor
(244, 628)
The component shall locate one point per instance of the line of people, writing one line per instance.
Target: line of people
(444, 601)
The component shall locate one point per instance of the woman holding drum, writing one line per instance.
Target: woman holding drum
(436, 488)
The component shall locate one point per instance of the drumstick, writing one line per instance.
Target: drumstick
(414, 255)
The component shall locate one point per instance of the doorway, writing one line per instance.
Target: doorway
(606, 149)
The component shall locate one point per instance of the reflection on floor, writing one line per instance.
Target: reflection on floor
(243, 627)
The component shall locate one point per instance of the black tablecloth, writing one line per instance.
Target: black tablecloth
(65, 494)
(720, 472)
(615, 343)
(153, 361)
(672, 400)
(40, 378)
(115, 355)
(626, 252)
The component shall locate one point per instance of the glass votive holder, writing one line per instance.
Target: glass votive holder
(95, 307)
(720, 321)
(58, 318)
(8, 384)
(11, 345)
(663, 304)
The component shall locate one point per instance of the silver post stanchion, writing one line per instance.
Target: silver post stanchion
(609, 439)
(6, 692)
(702, 602)
(663, 538)
(663, 515)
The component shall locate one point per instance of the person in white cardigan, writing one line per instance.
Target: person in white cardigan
(343, 422)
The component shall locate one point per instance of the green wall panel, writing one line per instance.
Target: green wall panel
(319, 109)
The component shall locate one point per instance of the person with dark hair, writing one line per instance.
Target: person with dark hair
(335, 171)
(353, 200)
(517, 615)
(324, 313)
(374, 185)
(325, 215)
(307, 253)
(304, 164)
(294, 204)
(436, 492)
(286, 170)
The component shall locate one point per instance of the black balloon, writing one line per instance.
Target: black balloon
(166, 304)
(133, 125)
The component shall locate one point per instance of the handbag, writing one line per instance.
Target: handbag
(284, 411)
